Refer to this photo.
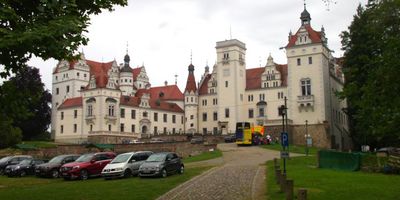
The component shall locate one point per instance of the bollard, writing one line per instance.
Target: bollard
(278, 176)
(283, 182)
(289, 189)
(276, 165)
(302, 194)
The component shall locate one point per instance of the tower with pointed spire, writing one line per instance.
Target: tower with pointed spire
(191, 102)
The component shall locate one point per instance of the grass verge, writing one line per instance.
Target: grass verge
(333, 184)
(292, 148)
(33, 188)
(204, 156)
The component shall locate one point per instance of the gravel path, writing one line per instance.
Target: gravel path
(239, 175)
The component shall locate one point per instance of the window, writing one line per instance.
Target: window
(173, 130)
(62, 115)
(109, 127)
(75, 128)
(174, 119)
(77, 74)
(226, 56)
(122, 127)
(310, 60)
(181, 119)
(251, 113)
(226, 83)
(306, 87)
(133, 114)
(61, 129)
(215, 130)
(144, 114)
(155, 130)
(215, 116)
(56, 78)
(165, 130)
(204, 117)
(226, 112)
(262, 97)
(261, 112)
(298, 61)
(165, 118)
(111, 110)
(191, 125)
(204, 131)
(122, 113)
(191, 99)
(155, 117)
(75, 113)
(57, 91)
(191, 116)
(67, 88)
(133, 128)
(91, 127)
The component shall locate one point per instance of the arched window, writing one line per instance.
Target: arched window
(305, 86)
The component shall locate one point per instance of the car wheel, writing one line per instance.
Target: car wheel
(127, 173)
(164, 173)
(83, 174)
(181, 169)
(55, 173)
(22, 173)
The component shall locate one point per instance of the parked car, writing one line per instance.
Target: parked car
(161, 164)
(23, 168)
(125, 165)
(156, 140)
(87, 165)
(197, 140)
(230, 138)
(11, 160)
(52, 168)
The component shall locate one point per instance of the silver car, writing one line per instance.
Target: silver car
(125, 165)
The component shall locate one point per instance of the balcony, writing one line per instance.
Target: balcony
(305, 101)
(90, 119)
(110, 119)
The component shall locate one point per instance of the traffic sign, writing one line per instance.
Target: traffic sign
(284, 139)
(284, 154)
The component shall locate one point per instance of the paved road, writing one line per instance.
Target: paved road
(239, 174)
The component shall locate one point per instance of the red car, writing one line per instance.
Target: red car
(86, 166)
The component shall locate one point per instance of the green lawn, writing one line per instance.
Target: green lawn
(40, 144)
(333, 184)
(204, 156)
(33, 188)
(292, 148)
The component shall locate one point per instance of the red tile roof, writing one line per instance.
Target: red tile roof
(315, 36)
(253, 76)
(99, 70)
(72, 102)
(154, 104)
(203, 89)
(170, 92)
(136, 72)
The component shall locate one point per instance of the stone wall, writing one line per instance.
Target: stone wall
(107, 139)
(318, 132)
(183, 149)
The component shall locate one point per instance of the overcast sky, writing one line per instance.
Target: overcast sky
(161, 34)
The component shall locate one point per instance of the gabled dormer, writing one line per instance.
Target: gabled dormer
(271, 76)
(145, 101)
(92, 82)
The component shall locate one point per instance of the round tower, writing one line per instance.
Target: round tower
(191, 103)
(126, 78)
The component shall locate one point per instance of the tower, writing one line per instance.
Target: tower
(231, 77)
(126, 77)
(191, 103)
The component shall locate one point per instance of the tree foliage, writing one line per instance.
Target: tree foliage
(8, 133)
(26, 102)
(372, 71)
(44, 28)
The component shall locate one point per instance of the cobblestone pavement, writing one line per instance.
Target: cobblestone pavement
(239, 175)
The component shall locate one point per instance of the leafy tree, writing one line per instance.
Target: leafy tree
(372, 70)
(45, 28)
(8, 134)
(25, 101)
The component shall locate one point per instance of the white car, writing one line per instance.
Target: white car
(125, 165)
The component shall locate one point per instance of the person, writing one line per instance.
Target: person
(268, 139)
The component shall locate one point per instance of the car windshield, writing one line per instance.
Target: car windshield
(5, 159)
(84, 158)
(25, 162)
(156, 158)
(57, 159)
(121, 158)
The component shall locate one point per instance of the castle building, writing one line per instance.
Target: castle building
(95, 99)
